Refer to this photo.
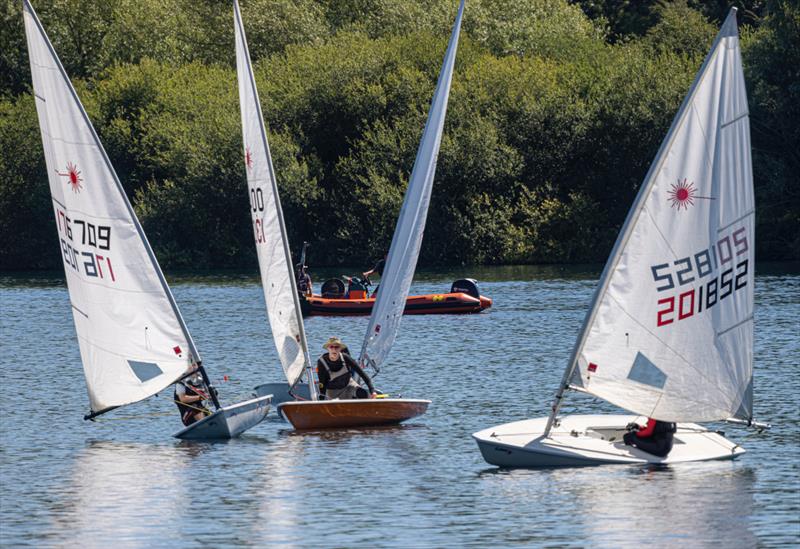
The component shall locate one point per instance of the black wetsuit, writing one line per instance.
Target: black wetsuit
(654, 439)
(345, 361)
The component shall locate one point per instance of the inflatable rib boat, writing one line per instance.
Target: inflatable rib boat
(463, 298)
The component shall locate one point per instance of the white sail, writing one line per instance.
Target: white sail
(274, 258)
(133, 342)
(670, 334)
(404, 250)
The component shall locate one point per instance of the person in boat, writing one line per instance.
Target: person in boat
(378, 268)
(304, 284)
(336, 368)
(189, 396)
(654, 438)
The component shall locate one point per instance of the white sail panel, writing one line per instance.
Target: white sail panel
(274, 259)
(404, 250)
(671, 332)
(131, 340)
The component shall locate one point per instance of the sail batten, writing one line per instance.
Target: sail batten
(274, 258)
(669, 333)
(105, 252)
(404, 250)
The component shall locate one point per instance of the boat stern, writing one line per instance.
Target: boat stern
(228, 422)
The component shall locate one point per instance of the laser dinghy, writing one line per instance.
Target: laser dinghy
(133, 341)
(669, 334)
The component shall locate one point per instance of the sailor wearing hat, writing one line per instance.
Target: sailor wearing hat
(335, 370)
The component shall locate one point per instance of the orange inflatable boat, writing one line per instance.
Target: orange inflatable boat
(463, 298)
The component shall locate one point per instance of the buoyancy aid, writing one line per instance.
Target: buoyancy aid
(187, 411)
(336, 374)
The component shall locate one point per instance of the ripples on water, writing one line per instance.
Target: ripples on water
(124, 481)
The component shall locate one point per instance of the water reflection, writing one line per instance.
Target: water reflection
(661, 505)
(123, 491)
(337, 435)
(700, 504)
(279, 513)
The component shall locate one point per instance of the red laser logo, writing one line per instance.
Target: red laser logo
(74, 176)
(683, 195)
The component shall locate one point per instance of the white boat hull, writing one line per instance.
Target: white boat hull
(581, 440)
(228, 422)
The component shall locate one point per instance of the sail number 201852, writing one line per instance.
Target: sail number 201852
(77, 234)
(724, 257)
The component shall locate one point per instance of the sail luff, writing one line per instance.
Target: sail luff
(728, 29)
(406, 241)
(297, 319)
(30, 16)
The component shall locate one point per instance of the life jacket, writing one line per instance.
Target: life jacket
(335, 374)
(187, 410)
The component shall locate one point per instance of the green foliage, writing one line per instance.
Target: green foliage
(528, 27)
(682, 30)
(772, 67)
(26, 211)
(554, 118)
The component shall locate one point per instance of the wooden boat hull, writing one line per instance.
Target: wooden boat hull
(449, 303)
(228, 422)
(337, 414)
(582, 440)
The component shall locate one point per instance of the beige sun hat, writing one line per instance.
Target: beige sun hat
(333, 341)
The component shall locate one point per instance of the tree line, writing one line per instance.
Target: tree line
(556, 111)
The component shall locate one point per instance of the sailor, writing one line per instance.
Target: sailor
(378, 268)
(336, 368)
(189, 396)
(654, 438)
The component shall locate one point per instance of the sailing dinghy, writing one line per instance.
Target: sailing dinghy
(401, 262)
(669, 334)
(269, 229)
(133, 340)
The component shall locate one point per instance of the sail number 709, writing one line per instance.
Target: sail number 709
(74, 235)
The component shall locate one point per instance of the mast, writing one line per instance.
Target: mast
(633, 214)
(273, 182)
(118, 185)
(404, 250)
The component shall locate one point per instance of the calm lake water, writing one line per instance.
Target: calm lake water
(123, 481)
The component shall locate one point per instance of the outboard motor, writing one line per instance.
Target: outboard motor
(333, 288)
(467, 286)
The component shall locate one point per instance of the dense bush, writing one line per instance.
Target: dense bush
(554, 118)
